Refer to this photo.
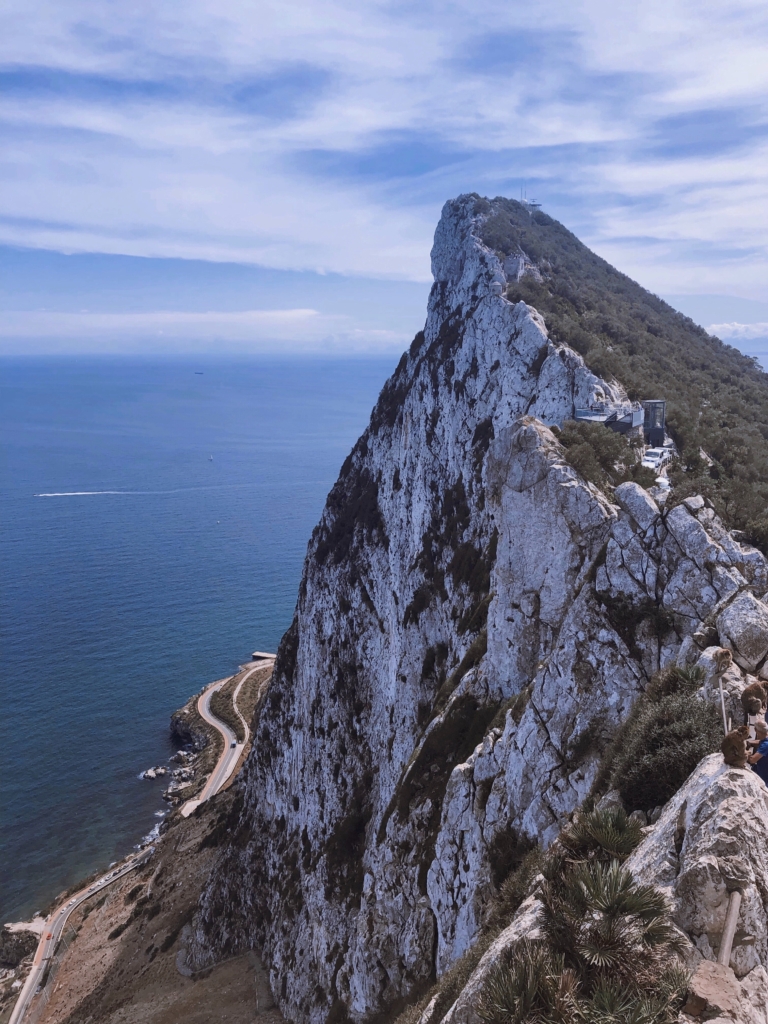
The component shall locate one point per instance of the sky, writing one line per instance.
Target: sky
(268, 175)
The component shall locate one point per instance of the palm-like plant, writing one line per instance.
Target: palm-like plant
(531, 991)
(601, 920)
(604, 835)
(612, 1003)
(675, 679)
(604, 958)
(535, 986)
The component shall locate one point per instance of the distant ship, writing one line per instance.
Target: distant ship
(210, 458)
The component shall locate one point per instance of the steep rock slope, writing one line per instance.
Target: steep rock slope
(708, 842)
(473, 621)
(717, 398)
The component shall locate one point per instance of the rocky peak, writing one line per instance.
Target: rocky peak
(474, 619)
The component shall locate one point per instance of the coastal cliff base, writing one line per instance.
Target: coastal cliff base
(126, 963)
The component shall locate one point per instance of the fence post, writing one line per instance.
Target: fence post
(731, 920)
(722, 705)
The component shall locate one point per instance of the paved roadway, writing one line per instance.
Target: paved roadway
(232, 748)
(54, 929)
(55, 924)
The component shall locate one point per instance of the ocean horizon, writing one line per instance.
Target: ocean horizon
(156, 514)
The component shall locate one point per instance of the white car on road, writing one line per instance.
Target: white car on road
(655, 458)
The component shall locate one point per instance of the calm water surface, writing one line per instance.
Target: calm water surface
(116, 607)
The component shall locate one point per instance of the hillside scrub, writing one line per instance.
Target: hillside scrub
(597, 836)
(607, 948)
(668, 731)
(717, 398)
(602, 456)
(607, 955)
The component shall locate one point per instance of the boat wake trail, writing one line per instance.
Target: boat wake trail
(176, 490)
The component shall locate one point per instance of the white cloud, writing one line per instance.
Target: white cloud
(742, 332)
(272, 330)
(185, 168)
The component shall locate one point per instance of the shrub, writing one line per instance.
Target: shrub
(353, 514)
(602, 835)
(675, 680)
(131, 896)
(516, 706)
(627, 616)
(475, 652)
(345, 846)
(172, 935)
(602, 456)
(514, 889)
(756, 532)
(507, 850)
(659, 746)
(607, 955)
(594, 451)
(453, 981)
(222, 705)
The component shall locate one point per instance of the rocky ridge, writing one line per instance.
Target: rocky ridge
(474, 620)
(708, 843)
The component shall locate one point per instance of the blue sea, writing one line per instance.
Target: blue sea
(155, 516)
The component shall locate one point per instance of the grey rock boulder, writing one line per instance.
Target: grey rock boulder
(743, 627)
(717, 996)
(637, 503)
(713, 988)
(710, 840)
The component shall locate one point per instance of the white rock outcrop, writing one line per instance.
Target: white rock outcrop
(708, 842)
(743, 628)
(473, 621)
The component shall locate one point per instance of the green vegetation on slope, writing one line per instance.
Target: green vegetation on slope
(667, 733)
(630, 928)
(606, 955)
(602, 456)
(717, 398)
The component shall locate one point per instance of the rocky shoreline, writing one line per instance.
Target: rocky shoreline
(187, 770)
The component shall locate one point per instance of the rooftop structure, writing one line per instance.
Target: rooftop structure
(622, 418)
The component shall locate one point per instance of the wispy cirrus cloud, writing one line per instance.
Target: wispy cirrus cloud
(326, 135)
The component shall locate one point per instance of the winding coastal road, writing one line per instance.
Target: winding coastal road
(225, 766)
(232, 747)
(54, 929)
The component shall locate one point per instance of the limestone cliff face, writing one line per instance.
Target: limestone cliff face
(473, 621)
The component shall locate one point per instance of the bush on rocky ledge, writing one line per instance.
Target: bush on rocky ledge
(606, 957)
(602, 456)
(667, 733)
